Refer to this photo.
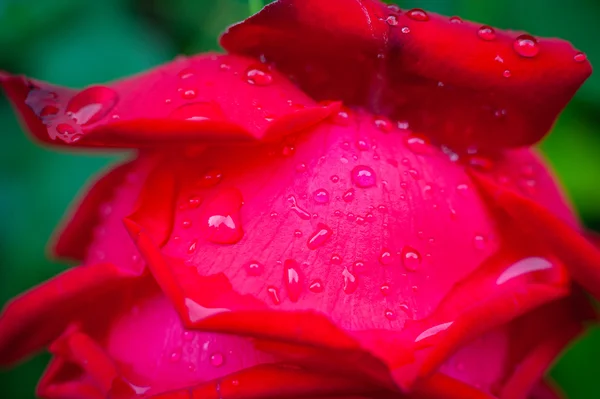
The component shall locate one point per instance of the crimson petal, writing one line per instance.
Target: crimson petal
(50, 307)
(461, 83)
(206, 97)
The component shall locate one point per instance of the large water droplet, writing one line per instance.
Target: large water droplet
(486, 33)
(292, 279)
(221, 217)
(350, 282)
(92, 104)
(526, 46)
(363, 176)
(258, 75)
(456, 20)
(319, 236)
(411, 258)
(417, 14)
(198, 111)
(302, 213)
(321, 196)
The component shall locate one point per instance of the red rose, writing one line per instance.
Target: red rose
(344, 205)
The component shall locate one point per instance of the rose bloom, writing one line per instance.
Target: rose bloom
(346, 204)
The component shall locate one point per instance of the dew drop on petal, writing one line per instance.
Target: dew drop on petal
(385, 289)
(348, 195)
(302, 213)
(580, 57)
(390, 315)
(321, 196)
(419, 144)
(319, 237)
(258, 76)
(316, 286)
(335, 259)
(392, 20)
(486, 33)
(363, 176)
(411, 258)
(221, 217)
(479, 242)
(405, 29)
(292, 279)
(526, 46)
(217, 359)
(350, 282)
(274, 294)
(456, 20)
(198, 112)
(92, 104)
(254, 268)
(386, 257)
(417, 14)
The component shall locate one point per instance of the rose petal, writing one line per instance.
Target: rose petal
(196, 99)
(50, 307)
(324, 288)
(78, 232)
(445, 79)
(579, 255)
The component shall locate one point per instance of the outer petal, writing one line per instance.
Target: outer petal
(340, 247)
(33, 320)
(207, 97)
(77, 234)
(460, 82)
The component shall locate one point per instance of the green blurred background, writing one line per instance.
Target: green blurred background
(79, 42)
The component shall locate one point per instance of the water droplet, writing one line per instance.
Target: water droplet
(350, 282)
(316, 286)
(302, 213)
(456, 20)
(392, 20)
(405, 29)
(417, 14)
(486, 33)
(580, 57)
(221, 217)
(192, 248)
(92, 104)
(188, 336)
(526, 46)
(363, 176)
(321, 196)
(414, 174)
(297, 233)
(198, 112)
(362, 145)
(390, 315)
(506, 73)
(341, 118)
(301, 167)
(273, 294)
(257, 75)
(335, 178)
(292, 279)
(65, 129)
(385, 289)
(479, 242)
(386, 257)
(254, 268)
(411, 258)
(194, 202)
(175, 356)
(319, 236)
(348, 195)
(383, 124)
(185, 73)
(217, 359)
(187, 94)
(186, 224)
(335, 259)
(358, 267)
(419, 144)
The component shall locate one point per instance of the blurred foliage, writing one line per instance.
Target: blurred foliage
(78, 42)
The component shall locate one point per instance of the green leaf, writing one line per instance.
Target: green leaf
(255, 6)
